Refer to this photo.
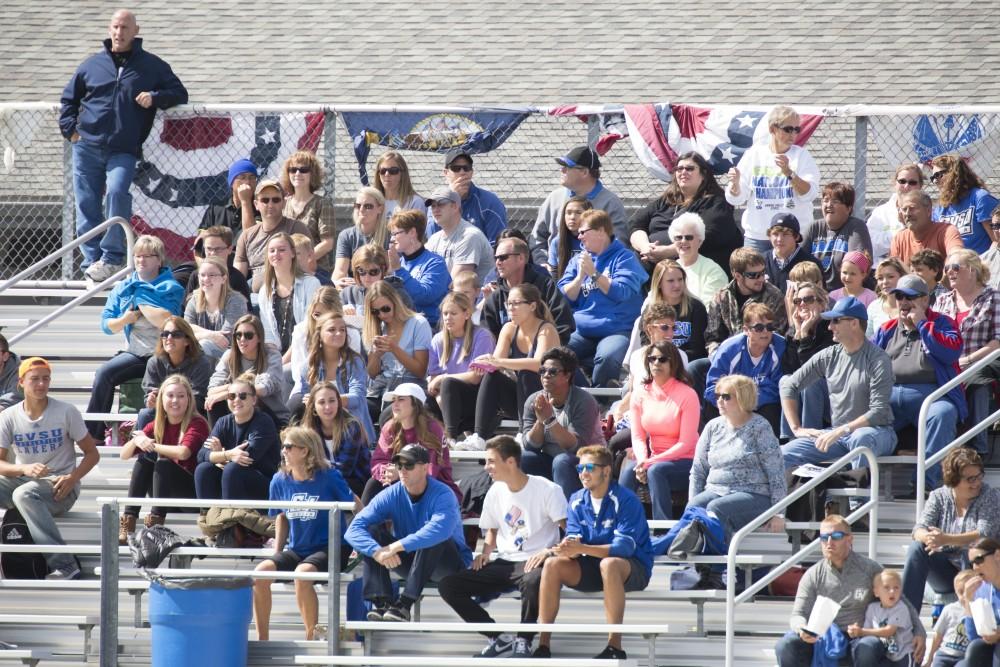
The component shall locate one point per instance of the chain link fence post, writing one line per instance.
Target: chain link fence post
(860, 164)
(329, 157)
(68, 218)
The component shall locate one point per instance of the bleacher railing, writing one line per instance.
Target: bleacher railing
(923, 461)
(870, 508)
(66, 251)
(110, 561)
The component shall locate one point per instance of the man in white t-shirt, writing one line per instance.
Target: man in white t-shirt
(522, 516)
(463, 246)
(44, 480)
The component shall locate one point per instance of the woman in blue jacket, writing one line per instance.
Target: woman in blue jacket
(603, 284)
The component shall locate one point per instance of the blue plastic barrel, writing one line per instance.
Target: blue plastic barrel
(201, 622)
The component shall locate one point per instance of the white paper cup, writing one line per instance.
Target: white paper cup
(821, 618)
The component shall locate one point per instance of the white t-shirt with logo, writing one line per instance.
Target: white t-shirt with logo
(527, 521)
(49, 439)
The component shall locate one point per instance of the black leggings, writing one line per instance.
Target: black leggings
(457, 402)
(373, 487)
(500, 394)
(163, 477)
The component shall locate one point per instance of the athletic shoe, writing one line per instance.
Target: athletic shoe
(522, 648)
(377, 613)
(497, 647)
(611, 653)
(100, 271)
(64, 573)
(397, 613)
(474, 443)
(542, 651)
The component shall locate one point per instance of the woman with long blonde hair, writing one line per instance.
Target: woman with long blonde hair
(346, 442)
(370, 227)
(212, 309)
(284, 294)
(669, 285)
(392, 179)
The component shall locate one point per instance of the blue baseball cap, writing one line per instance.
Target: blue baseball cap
(847, 307)
(241, 167)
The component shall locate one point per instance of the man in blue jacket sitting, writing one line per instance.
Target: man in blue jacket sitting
(606, 548)
(425, 543)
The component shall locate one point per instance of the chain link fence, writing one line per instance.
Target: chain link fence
(189, 151)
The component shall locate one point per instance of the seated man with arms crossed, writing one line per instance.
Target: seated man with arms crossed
(606, 548)
(522, 515)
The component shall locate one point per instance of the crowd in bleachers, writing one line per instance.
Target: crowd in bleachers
(742, 349)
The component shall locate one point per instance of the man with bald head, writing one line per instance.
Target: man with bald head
(920, 231)
(107, 112)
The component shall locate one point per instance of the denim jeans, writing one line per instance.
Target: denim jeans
(761, 245)
(232, 482)
(942, 420)
(605, 354)
(814, 408)
(734, 510)
(34, 499)
(663, 478)
(921, 567)
(120, 368)
(431, 564)
(561, 469)
(881, 440)
(791, 651)
(100, 174)
(980, 654)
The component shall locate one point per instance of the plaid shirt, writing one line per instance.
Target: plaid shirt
(981, 325)
(725, 318)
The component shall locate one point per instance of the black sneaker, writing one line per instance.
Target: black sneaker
(397, 613)
(542, 652)
(611, 653)
(377, 612)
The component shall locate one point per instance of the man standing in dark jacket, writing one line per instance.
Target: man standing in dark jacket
(107, 112)
(513, 270)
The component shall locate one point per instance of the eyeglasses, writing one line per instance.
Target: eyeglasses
(836, 536)
(589, 467)
(906, 181)
(791, 129)
(392, 171)
(584, 230)
(724, 397)
(382, 309)
(406, 465)
(269, 200)
(299, 170)
(684, 237)
(215, 249)
(172, 334)
(760, 327)
(973, 479)
(978, 560)
(505, 256)
(242, 395)
(547, 371)
(285, 446)
(657, 359)
(368, 272)
(457, 168)
(753, 275)
(514, 302)
(244, 335)
(952, 267)
(363, 207)
(397, 232)
(808, 300)
(686, 167)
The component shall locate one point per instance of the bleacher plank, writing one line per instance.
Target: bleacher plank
(451, 661)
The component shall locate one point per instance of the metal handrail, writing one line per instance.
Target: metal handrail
(64, 250)
(870, 507)
(110, 560)
(922, 461)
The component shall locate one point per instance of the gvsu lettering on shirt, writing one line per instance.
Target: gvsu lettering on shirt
(682, 333)
(39, 442)
(301, 514)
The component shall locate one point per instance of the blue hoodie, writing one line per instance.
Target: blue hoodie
(733, 358)
(598, 314)
(162, 291)
(431, 520)
(99, 101)
(425, 278)
(620, 523)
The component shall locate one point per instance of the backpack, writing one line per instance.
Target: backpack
(14, 530)
(698, 532)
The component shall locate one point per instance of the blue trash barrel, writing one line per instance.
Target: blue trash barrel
(200, 622)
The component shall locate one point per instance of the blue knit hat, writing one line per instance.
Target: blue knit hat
(241, 167)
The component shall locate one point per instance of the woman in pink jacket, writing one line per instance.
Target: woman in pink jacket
(665, 412)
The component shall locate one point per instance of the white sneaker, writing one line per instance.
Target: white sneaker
(474, 443)
(100, 271)
(64, 574)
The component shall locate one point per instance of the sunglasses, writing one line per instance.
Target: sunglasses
(458, 168)
(995, 226)
(937, 176)
(367, 272)
(406, 465)
(978, 560)
(684, 237)
(906, 181)
(663, 327)
(836, 536)
(753, 275)
(724, 397)
(299, 170)
(760, 327)
(505, 256)
(244, 335)
(546, 371)
(952, 267)
(687, 167)
(172, 334)
(242, 395)
(791, 129)
(363, 207)
(269, 200)
(392, 171)
(905, 297)
(589, 467)
(383, 309)
(657, 359)
(808, 300)
(285, 446)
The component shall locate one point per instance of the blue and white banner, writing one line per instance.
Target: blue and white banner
(921, 138)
